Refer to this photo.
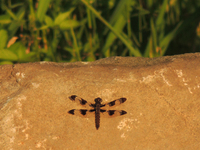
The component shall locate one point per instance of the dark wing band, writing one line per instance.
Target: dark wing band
(113, 103)
(81, 101)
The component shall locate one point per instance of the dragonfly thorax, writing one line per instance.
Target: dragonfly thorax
(98, 100)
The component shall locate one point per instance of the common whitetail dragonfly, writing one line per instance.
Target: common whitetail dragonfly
(97, 108)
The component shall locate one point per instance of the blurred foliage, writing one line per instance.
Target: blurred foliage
(86, 30)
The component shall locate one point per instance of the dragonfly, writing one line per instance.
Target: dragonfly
(97, 109)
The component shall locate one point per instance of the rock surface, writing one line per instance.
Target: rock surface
(163, 104)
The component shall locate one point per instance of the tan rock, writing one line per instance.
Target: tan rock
(163, 104)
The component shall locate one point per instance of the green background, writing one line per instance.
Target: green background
(87, 30)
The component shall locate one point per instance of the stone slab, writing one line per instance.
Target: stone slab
(163, 104)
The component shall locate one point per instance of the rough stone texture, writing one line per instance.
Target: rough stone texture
(163, 104)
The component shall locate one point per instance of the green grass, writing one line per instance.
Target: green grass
(87, 30)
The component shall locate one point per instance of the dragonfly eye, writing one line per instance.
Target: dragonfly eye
(98, 99)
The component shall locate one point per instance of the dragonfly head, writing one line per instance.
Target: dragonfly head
(98, 100)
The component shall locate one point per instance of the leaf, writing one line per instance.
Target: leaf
(14, 26)
(42, 9)
(161, 19)
(9, 11)
(111, 37)
(68, 24)
(154, 37)
(3, 38)
(30, 57)
(117, 12)
(6, 54)
(168, 38)
(5, 19)
(62, 16)
(12, 41)
(45, 27)
(48, 21)
(6, 62)
(19, 49)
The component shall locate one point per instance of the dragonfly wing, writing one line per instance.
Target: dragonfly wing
(113, 103)
(112, 113)
(80, 101)
(82, 112)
